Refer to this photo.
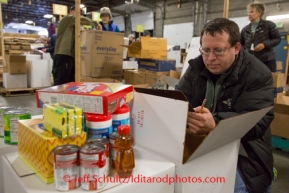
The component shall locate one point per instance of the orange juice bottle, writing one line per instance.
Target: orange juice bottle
(124, 153)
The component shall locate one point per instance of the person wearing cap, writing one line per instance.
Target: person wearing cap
(106, 23)
(64, 52)
(51, 40)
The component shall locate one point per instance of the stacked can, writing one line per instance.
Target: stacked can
(120, 117)
(112, 148)
(105, 143)
(11, 118)
(98, 126)
(66, 167)
(2, 110)
(92, 166)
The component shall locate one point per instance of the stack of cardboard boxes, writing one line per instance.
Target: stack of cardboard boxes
(101, 55)
(15, 72)
(151, 54)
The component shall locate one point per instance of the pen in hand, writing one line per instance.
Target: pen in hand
(203, 104)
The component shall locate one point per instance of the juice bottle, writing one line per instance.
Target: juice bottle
(124, 163)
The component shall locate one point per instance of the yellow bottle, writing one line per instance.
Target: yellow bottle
(124, 153)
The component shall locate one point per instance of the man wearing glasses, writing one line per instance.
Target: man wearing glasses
(233, 82)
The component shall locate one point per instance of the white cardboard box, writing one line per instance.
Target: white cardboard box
(163, 121)
(38, 73)
(14, 80)
(146, 165)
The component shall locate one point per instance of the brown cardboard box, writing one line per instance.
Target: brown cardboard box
(134, 77)
(278, 79)
(280, 124)
(148, 48)
(279, 66)
(101, 53)
(15, 64)
(89, 79)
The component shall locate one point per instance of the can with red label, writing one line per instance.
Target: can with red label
(112, 148)
(66, 167)
(105, 143)
(92, 166)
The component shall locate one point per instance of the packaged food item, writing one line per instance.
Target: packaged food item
(66, 167)
(105, 143)
(112, 148)
(92, 97)
(63, 120)
(11, 118)
(2, 110)
(98, 126)
(92, 166)
(124, 163)
(120, 117)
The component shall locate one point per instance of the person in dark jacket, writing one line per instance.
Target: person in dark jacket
(51, 40)
(106, 23)
(233, 82)
(260, 36)
(64, 52)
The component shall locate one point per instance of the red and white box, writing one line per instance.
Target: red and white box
(92, 97)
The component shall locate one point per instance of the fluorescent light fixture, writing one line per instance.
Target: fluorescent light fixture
(276, 17)
(29, 22)
(82, 6)
(48, 16)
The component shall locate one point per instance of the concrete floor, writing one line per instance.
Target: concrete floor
(281, 159)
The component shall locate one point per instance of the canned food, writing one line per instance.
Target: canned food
(112, 148)
(11, 118)
(105, 143)
(92, 166)
(66, 167)
(2, 110)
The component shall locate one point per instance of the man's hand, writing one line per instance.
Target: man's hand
(201, 123)
(43, 49)
(259, 47)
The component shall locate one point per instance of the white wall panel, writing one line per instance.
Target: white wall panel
(119, 21)
(145, 18)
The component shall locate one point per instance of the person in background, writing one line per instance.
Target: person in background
(51, 40)
(131, 38)
(106, 22)
(233, 82)
(260, 36)
(146, 33)
(64, 52)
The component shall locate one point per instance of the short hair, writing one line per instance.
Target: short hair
(220, 25)
(260, 7)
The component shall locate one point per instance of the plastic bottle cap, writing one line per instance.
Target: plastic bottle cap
(122, 110)
(97, 118)
(123, 129)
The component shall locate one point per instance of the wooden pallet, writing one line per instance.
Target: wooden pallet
(39, 88)
(17, 91)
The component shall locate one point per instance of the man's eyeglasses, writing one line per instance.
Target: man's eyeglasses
(217, 52)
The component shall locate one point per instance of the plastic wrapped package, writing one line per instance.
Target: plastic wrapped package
(63, 120)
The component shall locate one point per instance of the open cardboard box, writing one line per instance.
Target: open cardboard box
(150, 48)
(159, 120)
(280, 124)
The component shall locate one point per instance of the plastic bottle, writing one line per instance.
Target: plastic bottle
(120, 117)
(124, 163)
(98, 126)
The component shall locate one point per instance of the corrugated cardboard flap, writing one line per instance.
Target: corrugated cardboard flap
(227, 131)
(172, 94)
